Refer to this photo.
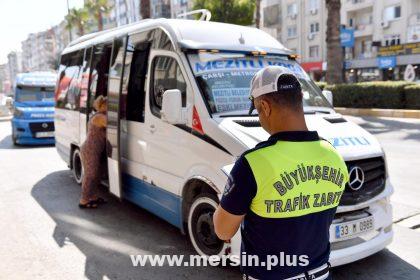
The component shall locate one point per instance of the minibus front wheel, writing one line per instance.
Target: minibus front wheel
(77, 166)
(201, 228)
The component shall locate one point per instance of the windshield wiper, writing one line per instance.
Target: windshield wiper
(316, 110)
(238, 115)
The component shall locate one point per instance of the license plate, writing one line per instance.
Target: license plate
(44, 134)
(349, 229)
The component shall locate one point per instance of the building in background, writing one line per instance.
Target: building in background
(386, 35)
(301, 26)
(386, 38)
(4, 79)
(41, 50)
(160, 8)
(123, 12)
(180, 7)
(14, 65)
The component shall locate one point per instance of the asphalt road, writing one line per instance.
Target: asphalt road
(44, 235)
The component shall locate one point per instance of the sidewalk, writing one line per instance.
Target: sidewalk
(391, 113)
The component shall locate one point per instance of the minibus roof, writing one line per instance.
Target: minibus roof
(191, 34)
(36, 79)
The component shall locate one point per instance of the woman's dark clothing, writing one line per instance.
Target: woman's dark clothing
(91, 156)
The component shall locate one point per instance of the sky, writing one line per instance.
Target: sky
(18, 18)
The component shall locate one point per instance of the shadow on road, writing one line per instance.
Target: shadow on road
(382, 265)
(107, 235)
(384, 125)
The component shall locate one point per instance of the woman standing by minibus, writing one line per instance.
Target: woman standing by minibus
(91, 155)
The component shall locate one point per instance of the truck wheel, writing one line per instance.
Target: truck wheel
(201, 228)
(14, 140)
(77, 166)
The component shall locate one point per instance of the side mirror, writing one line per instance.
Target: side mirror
(172, 111)
(328, 95)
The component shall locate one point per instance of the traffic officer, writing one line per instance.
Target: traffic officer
(284, 192)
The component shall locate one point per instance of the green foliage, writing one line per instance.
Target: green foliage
(321, 85)
(386, 95)
(98, 8)
(229, 11)
(77, 18)
(412, 96)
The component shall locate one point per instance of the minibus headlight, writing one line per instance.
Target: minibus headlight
(17, 113)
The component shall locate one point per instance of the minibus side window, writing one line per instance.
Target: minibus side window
(62, 85)
(161, 41)
(84, 83)
(133, 89)
(166, 75)
(68, 85)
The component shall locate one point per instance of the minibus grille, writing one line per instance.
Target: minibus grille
(41, 126)
(249, 123)
(374, 181)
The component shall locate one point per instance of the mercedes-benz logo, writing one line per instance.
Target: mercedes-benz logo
(357, 178)
(44, 125)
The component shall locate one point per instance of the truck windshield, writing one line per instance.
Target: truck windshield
(225, 79)
(27, 94)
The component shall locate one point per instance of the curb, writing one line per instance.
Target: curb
(4, 119)
(391, 113)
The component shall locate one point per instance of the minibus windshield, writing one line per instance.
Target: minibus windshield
(29, 93)
(225, 79)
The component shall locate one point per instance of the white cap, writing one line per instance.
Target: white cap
(266, 81)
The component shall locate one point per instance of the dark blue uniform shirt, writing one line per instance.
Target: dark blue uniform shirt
(303, 235)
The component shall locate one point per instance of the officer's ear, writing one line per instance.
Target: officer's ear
(265, 107)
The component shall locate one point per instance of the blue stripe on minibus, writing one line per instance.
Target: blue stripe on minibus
(160, 202)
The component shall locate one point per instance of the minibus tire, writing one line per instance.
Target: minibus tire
(77, 166)
(200, 226)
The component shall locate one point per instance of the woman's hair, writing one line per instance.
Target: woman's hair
(98, 102)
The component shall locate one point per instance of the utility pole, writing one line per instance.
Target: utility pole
(68, 13)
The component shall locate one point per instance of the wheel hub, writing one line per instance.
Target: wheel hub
(205, 230)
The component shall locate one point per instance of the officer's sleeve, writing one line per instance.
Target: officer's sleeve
(240, 188)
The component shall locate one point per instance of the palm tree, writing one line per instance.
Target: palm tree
(145, 9)
(334, 51)
(77, 18)
(257, 13)
(98, 8)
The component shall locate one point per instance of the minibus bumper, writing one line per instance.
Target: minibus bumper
(369, 243)
(25, 131)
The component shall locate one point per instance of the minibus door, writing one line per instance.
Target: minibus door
(84, 92)
(113, 118)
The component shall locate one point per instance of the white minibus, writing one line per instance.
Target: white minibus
(178, 114)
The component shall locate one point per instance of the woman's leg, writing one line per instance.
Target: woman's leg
(88, 176)
(95, 181)
(86, 186)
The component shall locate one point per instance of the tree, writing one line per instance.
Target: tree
(334, 51)
(77, 18)
(229, 11)
(257, 13)
(98, 8)
(145, 9)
